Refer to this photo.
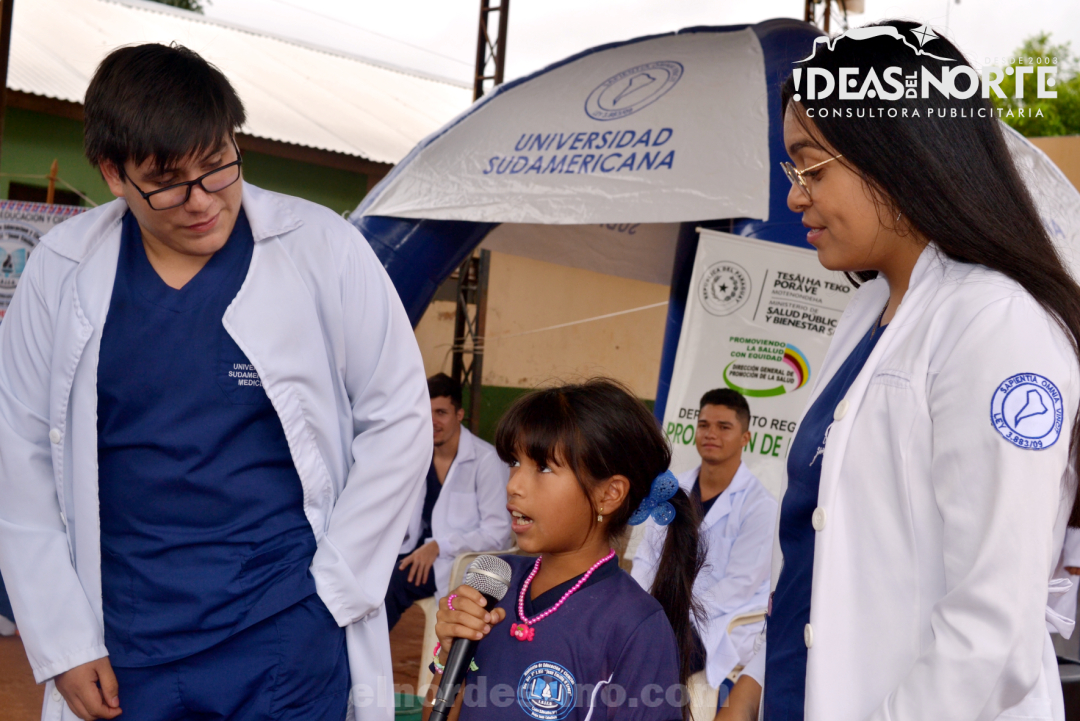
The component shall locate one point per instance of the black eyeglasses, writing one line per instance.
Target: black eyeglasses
(176, 195)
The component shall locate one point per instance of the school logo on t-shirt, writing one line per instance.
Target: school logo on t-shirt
(546, 691)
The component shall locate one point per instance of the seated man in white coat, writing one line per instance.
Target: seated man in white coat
(213, 426)
(462, 510)
(739, 517)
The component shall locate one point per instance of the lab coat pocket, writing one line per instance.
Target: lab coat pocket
(717, 554)
(892, 377)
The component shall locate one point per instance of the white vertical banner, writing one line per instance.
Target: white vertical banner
(759, 318)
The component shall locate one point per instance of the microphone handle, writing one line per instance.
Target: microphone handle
(457, 666)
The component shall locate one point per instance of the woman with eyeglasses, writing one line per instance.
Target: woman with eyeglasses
(929, 484)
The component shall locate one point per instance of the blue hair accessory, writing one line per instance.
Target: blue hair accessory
(656, 504)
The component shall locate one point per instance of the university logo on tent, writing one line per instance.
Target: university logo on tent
(631, 90)
(546, 691)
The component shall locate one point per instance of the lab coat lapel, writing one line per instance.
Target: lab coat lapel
(277, 326)
(78, 342)
(722, 507)
(466, 455)
(861, 313)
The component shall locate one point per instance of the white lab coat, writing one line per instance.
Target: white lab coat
(319, 319)
(936, 537)
(470, 514)
(738, 531)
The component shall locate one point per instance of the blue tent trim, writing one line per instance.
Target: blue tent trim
(419, 254)
(783, 42)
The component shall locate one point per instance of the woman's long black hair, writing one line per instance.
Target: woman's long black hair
(599, 430)
(948, 170)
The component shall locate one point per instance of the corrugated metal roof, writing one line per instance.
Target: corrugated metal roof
(293, 92)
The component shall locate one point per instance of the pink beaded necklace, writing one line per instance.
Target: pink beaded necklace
(524, 631)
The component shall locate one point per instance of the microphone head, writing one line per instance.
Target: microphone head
(489, 575)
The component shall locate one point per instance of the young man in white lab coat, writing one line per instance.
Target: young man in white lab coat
(213, 425)
(463, 508)
(739, 517)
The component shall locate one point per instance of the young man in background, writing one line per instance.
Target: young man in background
(463, 508)
(738, 520)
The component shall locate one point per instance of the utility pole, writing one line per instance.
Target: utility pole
(469, 328)
(845, 7)
(6, 7)
(472, 276)
(490, 54)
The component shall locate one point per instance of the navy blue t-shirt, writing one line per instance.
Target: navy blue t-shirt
(785, 653)
(431, 495)
(609, 647)
(203, 531)
(703, 506)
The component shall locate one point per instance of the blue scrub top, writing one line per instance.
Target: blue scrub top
(431, 494)
(203, 531)
(703, 506)
(785, 654)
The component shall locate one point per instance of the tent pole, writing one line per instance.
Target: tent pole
(483, 271)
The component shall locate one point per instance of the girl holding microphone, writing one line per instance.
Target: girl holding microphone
(929, 483)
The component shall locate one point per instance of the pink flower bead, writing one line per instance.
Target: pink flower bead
(522, 632)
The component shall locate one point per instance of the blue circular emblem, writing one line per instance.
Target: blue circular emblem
(1027, 410)
(546, 691)
(631, 90)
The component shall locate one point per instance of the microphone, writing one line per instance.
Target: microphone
(490, 575)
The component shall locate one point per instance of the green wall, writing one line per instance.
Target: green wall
(33, 140)
(339, 190)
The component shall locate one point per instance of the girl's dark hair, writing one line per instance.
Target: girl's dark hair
(157, 101)
(599, 429)
(947, 169)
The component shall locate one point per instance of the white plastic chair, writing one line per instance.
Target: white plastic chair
(703, 697)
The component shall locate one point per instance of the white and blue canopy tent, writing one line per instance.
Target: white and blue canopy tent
(672, 132)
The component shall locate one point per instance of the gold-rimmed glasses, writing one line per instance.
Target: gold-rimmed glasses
(796, 176)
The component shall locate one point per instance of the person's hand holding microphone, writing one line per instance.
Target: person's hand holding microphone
(465, 617)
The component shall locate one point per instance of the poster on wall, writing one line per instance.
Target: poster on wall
(21, 226)
(759, 319)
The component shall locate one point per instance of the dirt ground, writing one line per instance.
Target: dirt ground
(21, 698)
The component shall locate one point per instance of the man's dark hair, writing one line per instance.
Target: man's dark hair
(729, 399)
(160, 102)
(440, 385)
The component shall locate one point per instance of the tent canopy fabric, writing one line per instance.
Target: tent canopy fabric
(294, 93)
(708, 99)
(626, 133)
